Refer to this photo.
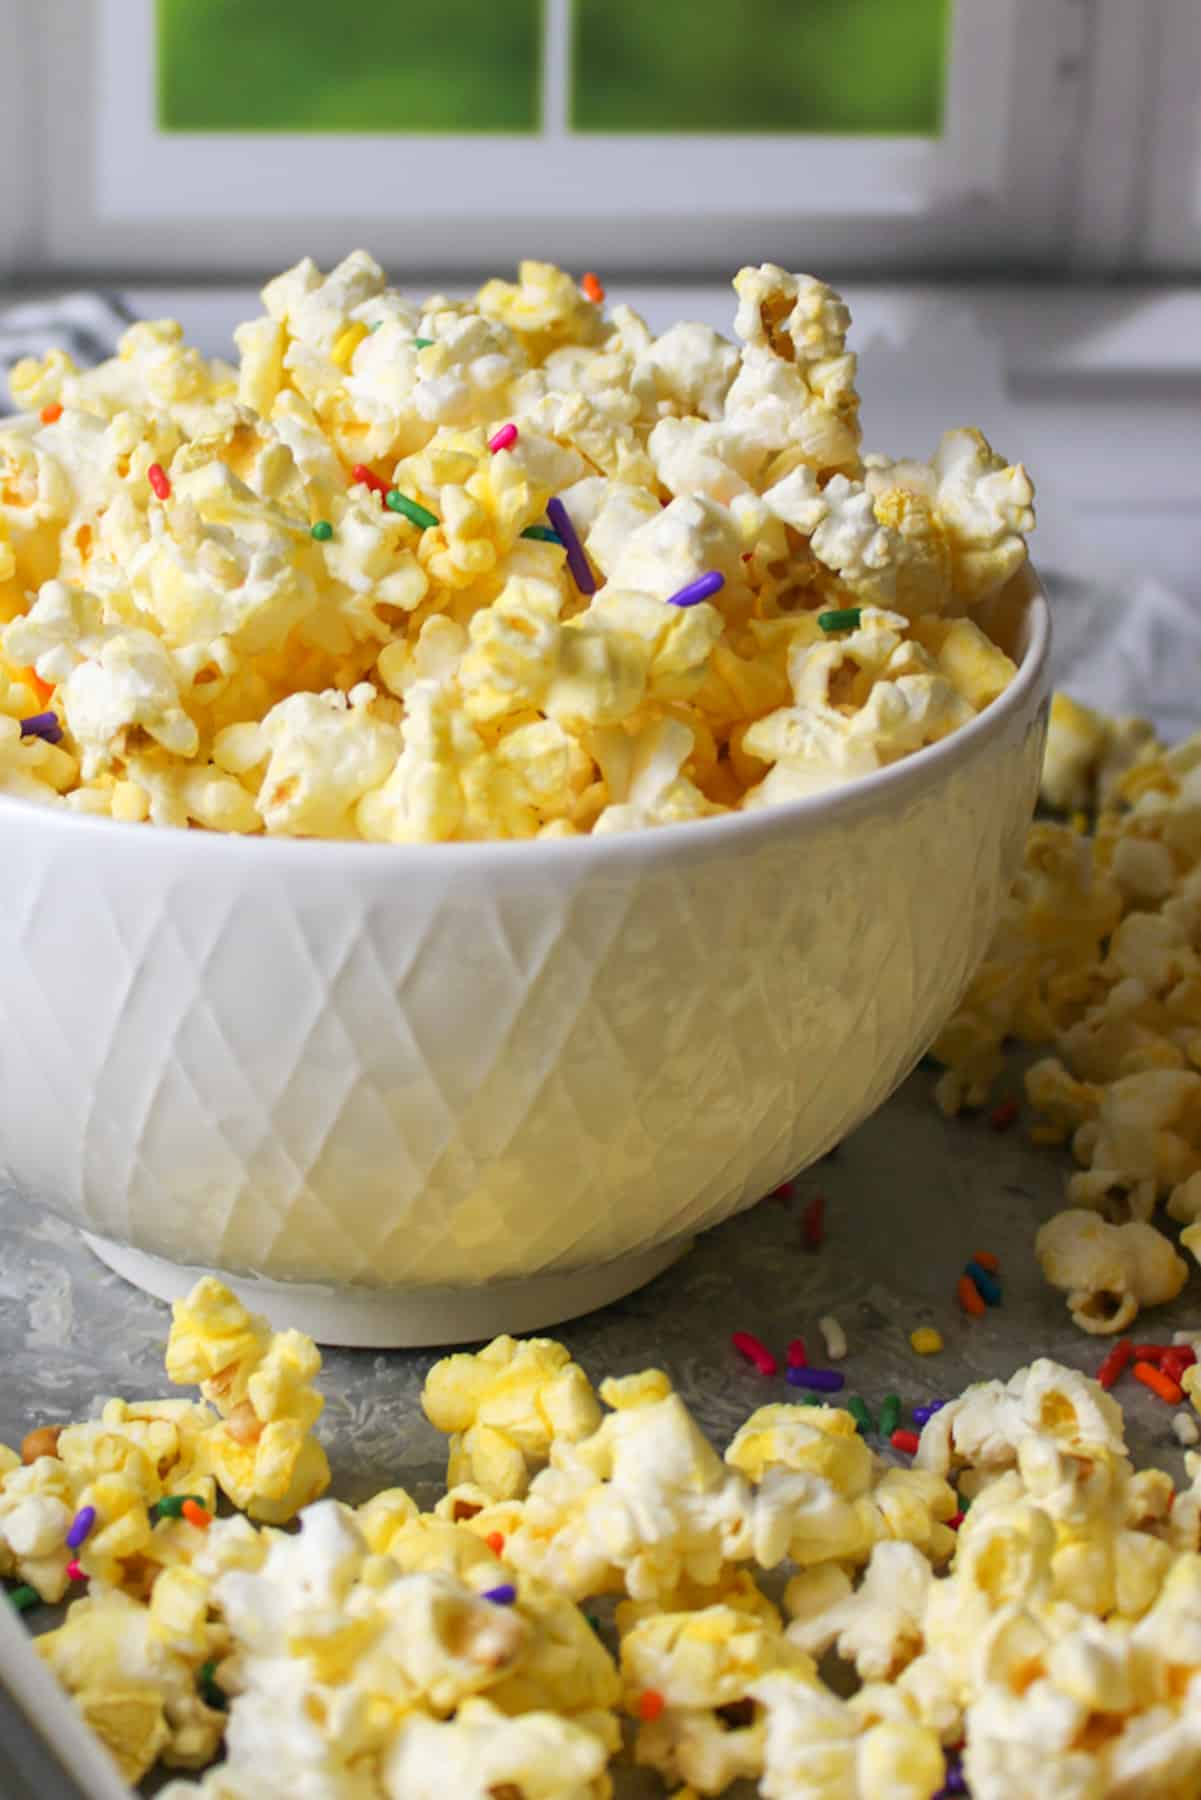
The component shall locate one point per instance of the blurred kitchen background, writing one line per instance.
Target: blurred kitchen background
(1008, 191)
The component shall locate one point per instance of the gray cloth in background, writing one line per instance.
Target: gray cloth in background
(1130, 647)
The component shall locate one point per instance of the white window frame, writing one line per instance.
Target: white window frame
(117, 193)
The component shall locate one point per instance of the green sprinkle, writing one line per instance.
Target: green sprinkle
(422, 343)
(323, 531)
(890, 1414)
(845, 620)
(810, 1400)
(542, 534)
(210, 1692)
(857, 1407)
(24, 1597)
(172, 1505)
(374, 327)
(421, 516)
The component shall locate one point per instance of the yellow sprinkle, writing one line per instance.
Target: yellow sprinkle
(926, 1341)
(347, 344)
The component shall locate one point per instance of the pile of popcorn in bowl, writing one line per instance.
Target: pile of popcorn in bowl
(322, 594)
(413, 626)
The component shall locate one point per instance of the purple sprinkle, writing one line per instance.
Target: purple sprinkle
(923, 1414)
(955, 1782)
(42, 725)
(504, 1595)
(580, 567)
(705, 585)
(81, 1524)
(826, 1381)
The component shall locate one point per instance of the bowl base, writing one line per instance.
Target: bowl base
(365, 1318)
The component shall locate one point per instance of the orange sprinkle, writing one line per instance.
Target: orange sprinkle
(987, 1260)
(650, 1705)
(51, 414)
(1158, 1382)
(969, 1296)
(591, 288)
(495, 1541)
(196, 1515)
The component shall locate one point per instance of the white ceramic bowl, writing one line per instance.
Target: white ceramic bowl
(419, 1094)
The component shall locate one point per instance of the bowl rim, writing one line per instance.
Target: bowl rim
(727, 831)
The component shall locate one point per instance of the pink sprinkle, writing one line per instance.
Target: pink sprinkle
(796, 1354)
(755, 1351)
(503, 438)
(74, 1572)
(156, 475)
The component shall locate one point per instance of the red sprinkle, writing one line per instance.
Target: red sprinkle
(501, 440)
(1005, 1116)
(650, 1705)
(1158, 1382)
(755, 1351)
(74, 1572)
(796, 1354)
(907, 1441)
(782, 1193)
(591, 288)
(1152, 1353)
(956, 1520)
(51, 414)
(1176, 1360)
(196, 1515)
(156, 475)
(495, 1541)
(369, 478)
(1116, 1363)
(813, 1222)
(987, 1260)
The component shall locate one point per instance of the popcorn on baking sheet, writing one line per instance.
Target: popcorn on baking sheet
(200, 576)
(386, 1652)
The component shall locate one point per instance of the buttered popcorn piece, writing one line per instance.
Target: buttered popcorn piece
(1108, 1271)
(505, 1407)
(704, 1666)
(436, 675)
(261, 1449)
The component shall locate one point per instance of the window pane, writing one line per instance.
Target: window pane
(840, 66)
(379, 65)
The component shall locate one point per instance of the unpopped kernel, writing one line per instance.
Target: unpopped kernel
(382, 1653)
(320, 594)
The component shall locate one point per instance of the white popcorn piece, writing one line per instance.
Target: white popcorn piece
(1108, 1271)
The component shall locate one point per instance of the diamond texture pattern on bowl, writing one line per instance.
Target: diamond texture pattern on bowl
(394, 1069)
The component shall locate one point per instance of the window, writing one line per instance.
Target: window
(220, 137)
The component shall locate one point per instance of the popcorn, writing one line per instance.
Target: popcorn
(216, 666)
(505, 1407)
(1108, 1271)
(259, 1381)
(390, 1651)
(134, 1685)
(705, 1666)
(816, 1749)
